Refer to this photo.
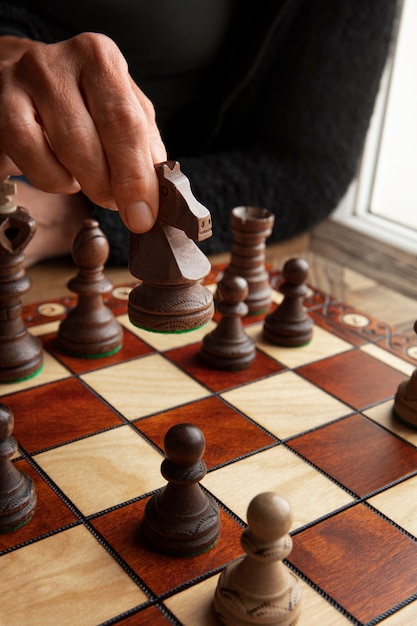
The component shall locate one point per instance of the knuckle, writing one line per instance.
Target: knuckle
(120, 119)
(101, 49)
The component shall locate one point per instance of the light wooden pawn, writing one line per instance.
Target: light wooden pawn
(260, 589)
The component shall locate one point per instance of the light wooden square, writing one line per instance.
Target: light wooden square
(286, 404)
(144, 386)
(104, 470)
(396, 504)
(65, 579)
(383, 414)
(51, 371)
(309, 492)
(322, 345)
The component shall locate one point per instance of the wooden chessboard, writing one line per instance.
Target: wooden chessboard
(314, 424)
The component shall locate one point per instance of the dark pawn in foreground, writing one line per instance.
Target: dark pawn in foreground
(182, 519)
(90, 329)
(260, 589)
(290, 325)
(228, 347)
(17, 492)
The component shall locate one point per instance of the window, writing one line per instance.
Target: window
(382, 202)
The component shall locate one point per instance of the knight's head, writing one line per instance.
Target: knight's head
(178, 206)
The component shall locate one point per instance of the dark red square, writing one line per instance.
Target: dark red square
(228, 434)
(359, 559)
(187, 358)
(146, 617)
(354, 377)
(358, 453)
(53, 414)
(162, 573)
(50, 513)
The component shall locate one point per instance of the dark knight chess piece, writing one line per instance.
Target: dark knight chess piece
(251, 226)
(90, 328)
(260, 589)
(169, 264)
(182, 519)
(228, 347)
(17, 492)
(289, 324)
(21, 353)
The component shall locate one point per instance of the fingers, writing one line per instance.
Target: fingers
(28, 149)
(74, 118)
(125, 122)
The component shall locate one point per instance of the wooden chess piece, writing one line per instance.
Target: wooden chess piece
(251, 226)
(171, 297)
(228, 347)
(260, 589)
(17, 492)
(290, 325)
(182, 519)
(90, 328)
(21, 353)
(405, 400)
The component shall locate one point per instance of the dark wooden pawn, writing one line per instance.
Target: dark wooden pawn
(17, 492)
(21, 352)
(182, 519)
(290, 325)
(228, 347)
(90, 328)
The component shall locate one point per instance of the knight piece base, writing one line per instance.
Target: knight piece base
(170, 309)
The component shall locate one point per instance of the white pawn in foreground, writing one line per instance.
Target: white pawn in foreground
(260, 589)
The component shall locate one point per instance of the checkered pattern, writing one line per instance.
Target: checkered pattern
(314, 424)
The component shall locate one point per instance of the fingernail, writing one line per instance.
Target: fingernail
(139, 216)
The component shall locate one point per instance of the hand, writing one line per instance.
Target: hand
(72, 118)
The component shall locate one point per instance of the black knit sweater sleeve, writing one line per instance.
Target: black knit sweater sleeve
(295, 147)
(17, 20)
(313, 113)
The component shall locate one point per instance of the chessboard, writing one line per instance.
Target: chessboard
(313, 424)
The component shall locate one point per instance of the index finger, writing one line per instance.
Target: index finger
(125, 122)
